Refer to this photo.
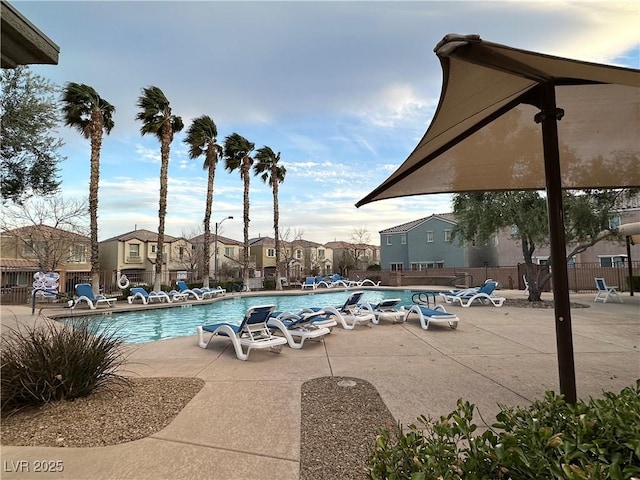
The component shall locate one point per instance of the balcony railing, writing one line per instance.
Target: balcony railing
(132, 259)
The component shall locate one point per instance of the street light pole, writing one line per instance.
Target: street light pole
(215, 248)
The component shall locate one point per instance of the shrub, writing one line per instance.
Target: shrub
(53, 362)
(550, 439)
(269, 284)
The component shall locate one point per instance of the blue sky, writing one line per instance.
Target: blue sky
(344, 90)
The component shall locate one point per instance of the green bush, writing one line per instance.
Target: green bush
(550, 439)
(52, 361)
(269, 284)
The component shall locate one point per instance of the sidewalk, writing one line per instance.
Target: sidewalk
(497, 355)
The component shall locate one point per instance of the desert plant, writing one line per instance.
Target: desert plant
(52, 361)
(599, 439)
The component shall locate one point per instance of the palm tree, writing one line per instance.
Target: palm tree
(202, 139)
(237, 150)
(156, 118)
(92, 115)
(273, 174)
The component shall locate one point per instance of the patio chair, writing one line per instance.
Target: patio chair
(197, 293)
(252, 333)
(309, 282)
(147, 297)
(350, 314)
(301, 326)
(386, 310)
(84, 293)
(606, 292)
(427, 315)
(484, 295)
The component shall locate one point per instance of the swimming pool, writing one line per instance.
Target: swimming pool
(142, 326)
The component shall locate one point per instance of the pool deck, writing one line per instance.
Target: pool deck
(497, 355)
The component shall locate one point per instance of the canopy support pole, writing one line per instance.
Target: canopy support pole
(549, 117)
(629, 266)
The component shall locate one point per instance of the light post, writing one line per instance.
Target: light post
(215, 248)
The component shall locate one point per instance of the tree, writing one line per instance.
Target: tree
(287, 238)
(157, 119)
(91, 115)
(273, 174)
(202, 139)
(480, 215)
(237, 154)
(49, 230)
(30, 158)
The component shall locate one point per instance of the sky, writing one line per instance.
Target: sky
(343, 90)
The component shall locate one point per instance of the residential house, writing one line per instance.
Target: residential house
(41, 248)
(357, 256)
(422, 244)
(305, 257)
(263, 249)
(225, 262)
(134, 254)
(426, 243)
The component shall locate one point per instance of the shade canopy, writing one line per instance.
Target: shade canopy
(631, 230)
(483, 136)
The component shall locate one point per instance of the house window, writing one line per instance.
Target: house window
(228, 251)
(612, 260)
(29, 249)
(271, 252)
(78, 254)
(614, 222)
(321, 254)
(389, 240)
(403, 238)
(134, 249)
(429, 237)
(447, 235)
(396, 267)
(154, 248)
(298, 254)
(181, 254)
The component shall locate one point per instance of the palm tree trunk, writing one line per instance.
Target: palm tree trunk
(96, 145)
(207, 228)
(245, 262)
(276, 221)
(162, 210)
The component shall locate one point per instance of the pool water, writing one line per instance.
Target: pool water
(142, 326)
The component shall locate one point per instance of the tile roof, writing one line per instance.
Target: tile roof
(142, 234)
(405, 227)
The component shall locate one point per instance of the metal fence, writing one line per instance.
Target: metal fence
(581, 279)
(581, 276)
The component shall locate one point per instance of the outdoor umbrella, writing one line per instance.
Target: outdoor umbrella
(484, 137)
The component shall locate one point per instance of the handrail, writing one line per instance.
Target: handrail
(50, 291)
(423, 297)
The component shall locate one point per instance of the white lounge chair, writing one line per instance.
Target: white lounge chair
(437, 315)
(484, 295)
(309, 282)
(147, 297)
(84, 293)
(350, 314)
(606, 292)
(301, 326)
(197, 293)
(252, 333)
(386, 310)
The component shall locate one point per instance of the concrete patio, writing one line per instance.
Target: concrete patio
(497, 355)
